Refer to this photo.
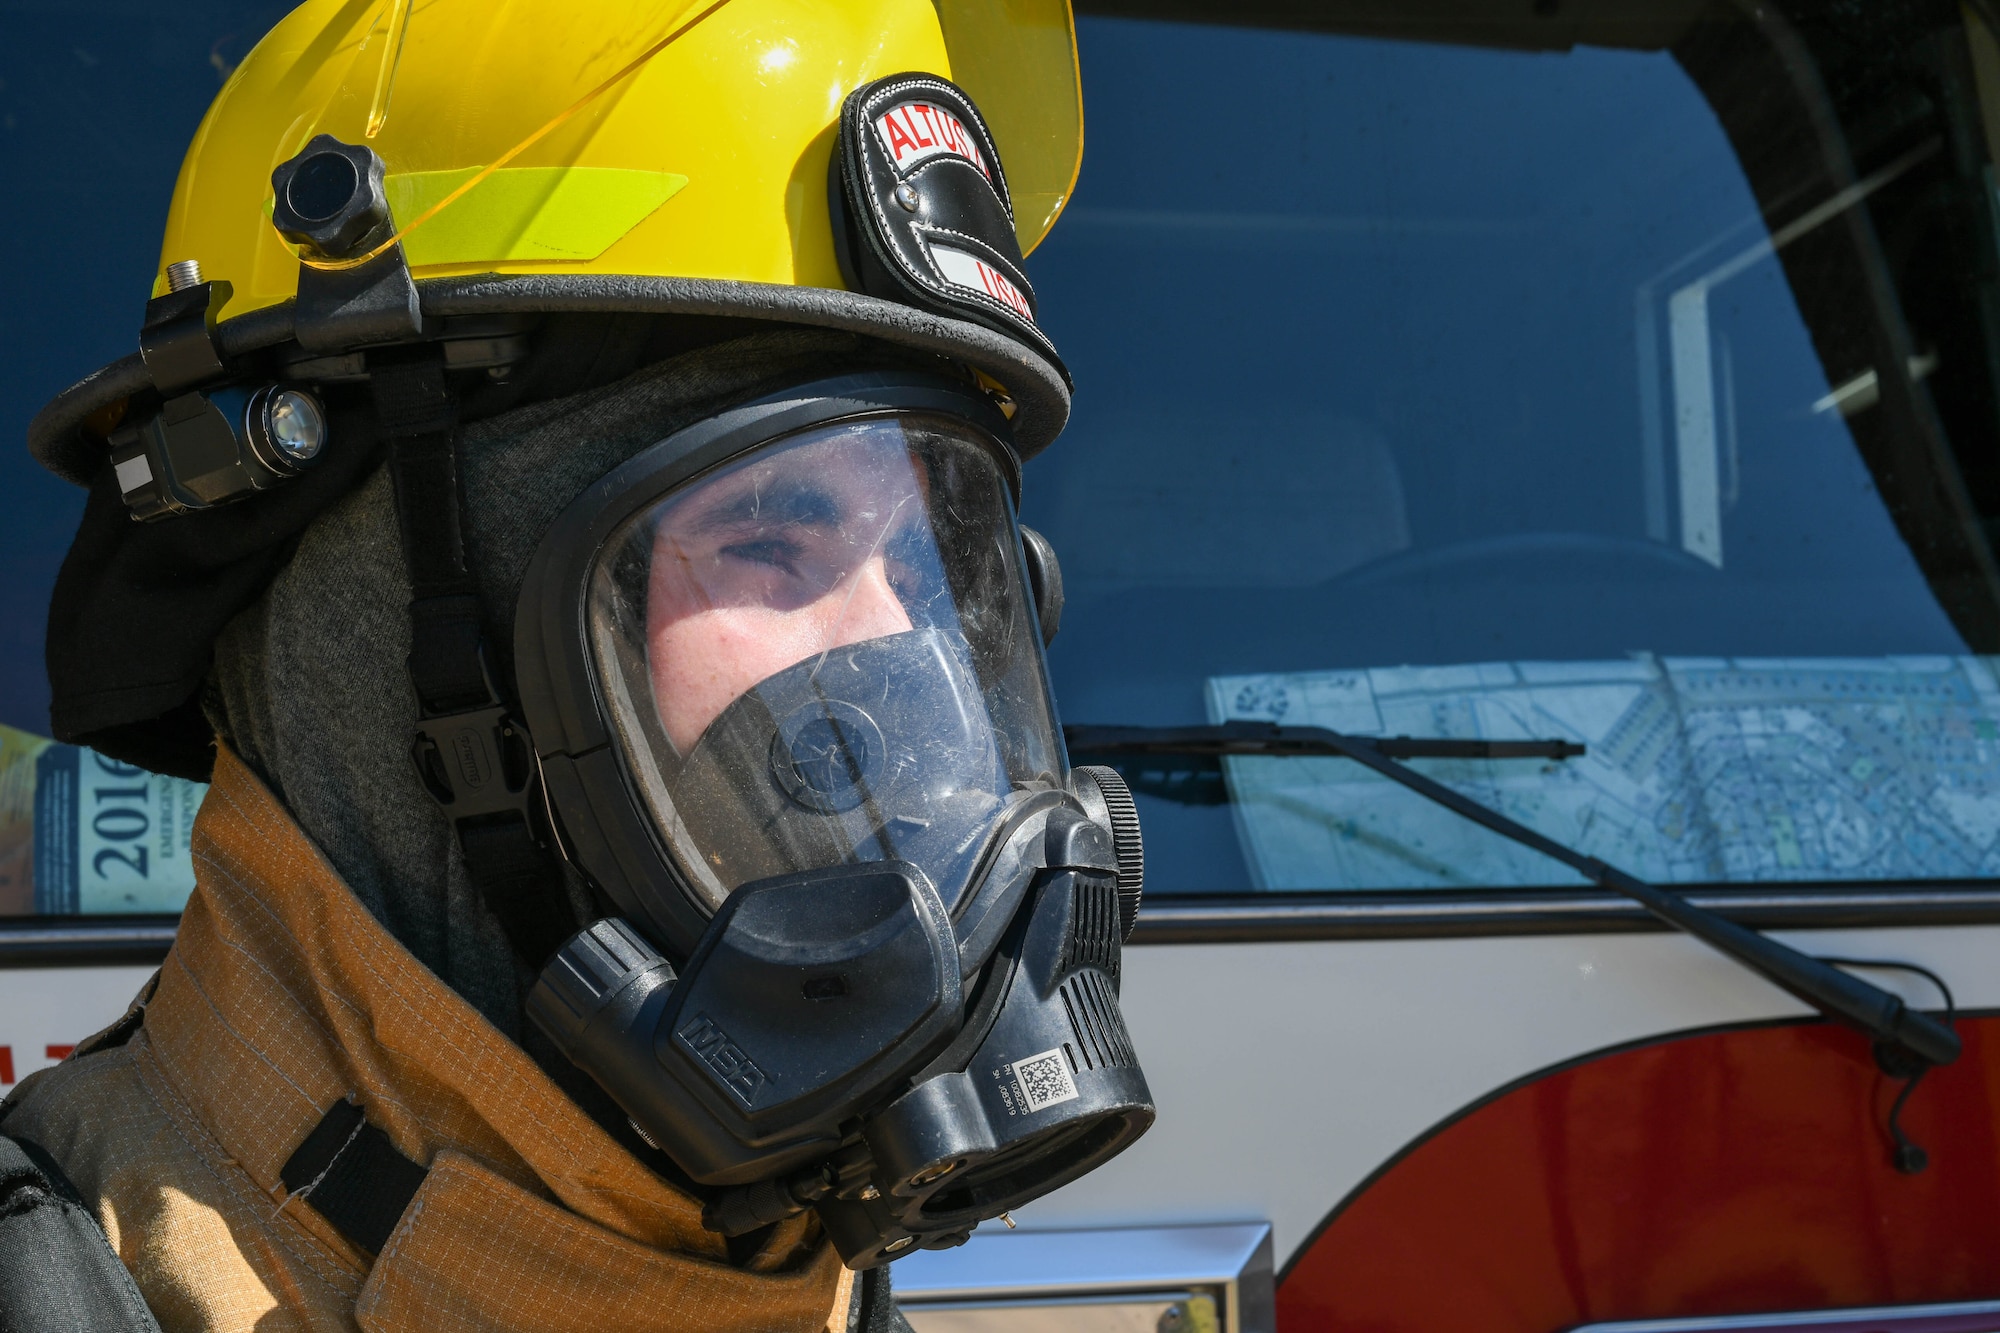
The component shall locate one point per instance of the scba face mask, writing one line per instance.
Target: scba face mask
(785, 675)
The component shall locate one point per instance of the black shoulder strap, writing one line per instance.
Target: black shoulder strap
(471, 753)
(58, 1273)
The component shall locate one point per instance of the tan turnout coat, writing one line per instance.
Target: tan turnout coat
(282, 995)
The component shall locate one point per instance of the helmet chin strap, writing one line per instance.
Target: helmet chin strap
(471, 753)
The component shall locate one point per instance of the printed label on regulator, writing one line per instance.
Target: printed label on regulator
(1044, 1080)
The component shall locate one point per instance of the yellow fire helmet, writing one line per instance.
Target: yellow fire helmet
(639, 156)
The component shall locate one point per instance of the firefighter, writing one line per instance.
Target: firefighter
(568, 474)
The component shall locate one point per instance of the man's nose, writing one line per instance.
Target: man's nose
(866, 606)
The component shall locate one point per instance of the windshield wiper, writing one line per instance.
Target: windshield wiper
(1834, 993)
(1267, 738)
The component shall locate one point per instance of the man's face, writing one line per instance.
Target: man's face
(806, 550)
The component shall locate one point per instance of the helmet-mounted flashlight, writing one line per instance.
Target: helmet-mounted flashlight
(204, 449)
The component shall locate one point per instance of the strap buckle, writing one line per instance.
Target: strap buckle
(477, 762)
(474, 761)
(479, 766)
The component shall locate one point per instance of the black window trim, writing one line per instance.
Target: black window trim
(86, 941)
(1282, 916)
(1244, 918)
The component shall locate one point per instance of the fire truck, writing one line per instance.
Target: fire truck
(1528, 539)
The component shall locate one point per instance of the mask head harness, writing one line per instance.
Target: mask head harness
(866, 950)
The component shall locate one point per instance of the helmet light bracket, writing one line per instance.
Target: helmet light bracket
(177, 341)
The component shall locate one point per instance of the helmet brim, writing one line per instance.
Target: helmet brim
(61, 440)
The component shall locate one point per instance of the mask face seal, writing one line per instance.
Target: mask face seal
(822, 654)
(785, 678)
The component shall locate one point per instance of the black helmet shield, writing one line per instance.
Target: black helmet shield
(785, 678)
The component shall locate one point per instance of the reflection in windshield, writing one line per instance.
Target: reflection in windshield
(1469, 392)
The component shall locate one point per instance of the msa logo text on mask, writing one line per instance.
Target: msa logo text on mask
(712, 1046)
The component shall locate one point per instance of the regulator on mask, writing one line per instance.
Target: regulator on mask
(785, 675)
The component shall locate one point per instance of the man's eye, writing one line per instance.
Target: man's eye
(782, 555)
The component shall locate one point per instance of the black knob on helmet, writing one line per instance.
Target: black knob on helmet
(330, 198)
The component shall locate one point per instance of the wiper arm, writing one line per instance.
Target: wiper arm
(1836, 994)
(1266, 738)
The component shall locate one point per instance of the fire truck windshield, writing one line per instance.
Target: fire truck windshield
(1623, 379)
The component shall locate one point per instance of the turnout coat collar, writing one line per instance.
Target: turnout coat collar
(283, 995)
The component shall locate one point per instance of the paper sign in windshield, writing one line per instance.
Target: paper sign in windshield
(1698, 770)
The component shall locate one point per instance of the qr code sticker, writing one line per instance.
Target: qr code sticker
(1044, 1080)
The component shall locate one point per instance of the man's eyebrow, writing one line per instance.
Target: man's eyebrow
(800, 502)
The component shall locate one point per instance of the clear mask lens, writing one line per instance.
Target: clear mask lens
(824, 653)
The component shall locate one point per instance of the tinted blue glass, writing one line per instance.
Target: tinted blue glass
(98, 101)
(1397, 355)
